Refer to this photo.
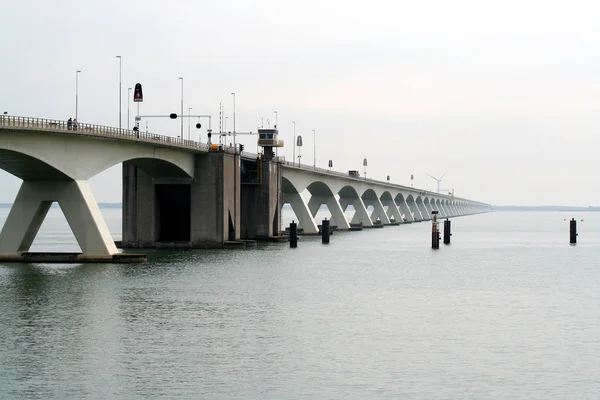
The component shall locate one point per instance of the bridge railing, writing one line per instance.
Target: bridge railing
(370, 180)
(80, 128)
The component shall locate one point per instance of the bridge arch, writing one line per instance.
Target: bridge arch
(293, 197)
(350, 196)
(323, 194)
(370, 198)
(29, 168)
(81, 158)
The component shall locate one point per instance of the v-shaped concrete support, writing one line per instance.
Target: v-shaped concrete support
(392, 210)
(78, 205)
(337, 214)
(307, 222)
(378, 211)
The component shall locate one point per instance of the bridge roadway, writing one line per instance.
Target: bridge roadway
(177, 190)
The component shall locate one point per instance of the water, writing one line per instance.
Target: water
(509, 310)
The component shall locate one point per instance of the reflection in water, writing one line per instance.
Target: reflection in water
(375, 314)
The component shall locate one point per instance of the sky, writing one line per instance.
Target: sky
(502, 96)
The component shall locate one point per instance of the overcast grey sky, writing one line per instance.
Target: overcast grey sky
(504, 95)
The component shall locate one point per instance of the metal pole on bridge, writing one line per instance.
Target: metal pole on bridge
(119, 57)
(77, 93)
(181, 107)
(128, 97)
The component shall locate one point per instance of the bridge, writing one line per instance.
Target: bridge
(182, 193)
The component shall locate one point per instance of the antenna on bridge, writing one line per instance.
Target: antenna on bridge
(438, 180)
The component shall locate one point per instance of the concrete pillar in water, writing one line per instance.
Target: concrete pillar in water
(293, 235)
(573, 231)
(325, 232)
(435, 234)
(261, 201)
(447, 231)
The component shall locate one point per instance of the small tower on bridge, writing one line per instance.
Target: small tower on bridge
(267, 139)
(261, 201)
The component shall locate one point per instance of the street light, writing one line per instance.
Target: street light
(189, 122)
(275, 118)
(128, 98)
(119, 57)
(181, 107)
(314, 149)
(365, 165)
(294, 153)
(77, 93)
(233, 94)
(299, 144)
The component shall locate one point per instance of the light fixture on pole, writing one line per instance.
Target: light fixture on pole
(119, 57)
(233, 94)
(299, 144)
(128, 97)
(77, 93)
(181, 106)
(314, 149)
(294, 153)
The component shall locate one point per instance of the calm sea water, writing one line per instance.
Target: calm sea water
(508, 311)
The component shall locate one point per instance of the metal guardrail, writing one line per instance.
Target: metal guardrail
(85, 129)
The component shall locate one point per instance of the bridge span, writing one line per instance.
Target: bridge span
(182, 193)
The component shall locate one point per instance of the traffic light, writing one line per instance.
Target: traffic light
(241, 147)
(138, 97)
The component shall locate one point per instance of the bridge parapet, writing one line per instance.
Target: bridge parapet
(58, 126)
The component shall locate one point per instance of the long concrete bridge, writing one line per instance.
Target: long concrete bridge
(182, 193)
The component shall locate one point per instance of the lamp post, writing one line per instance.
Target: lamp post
(119, 57)
(314, 149)
(77, 93)
(299, 144)
(233, 94)
(365, 165)
(189, 122)
(128, 98)
(276, 117)
(294, 152)
(181, 106)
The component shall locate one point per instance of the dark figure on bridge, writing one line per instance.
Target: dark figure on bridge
(69, 123)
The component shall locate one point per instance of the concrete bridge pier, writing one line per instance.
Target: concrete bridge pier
(415, 211)
(422, 210)
(446, 206)
(261, 203)
(392, 210)
(305, 219)
(337, 214)
(79, 207)
(164, 208)
(378, 210)
(403, 208)
(360, 211)
(435, 204)
(428, 206)
(215, 200)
